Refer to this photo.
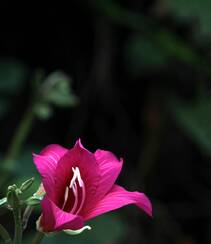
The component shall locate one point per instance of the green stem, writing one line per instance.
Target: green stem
(38, 238)
(26, 216)
(5, 235)
(18, 225)
(20, 135)
(17, 142)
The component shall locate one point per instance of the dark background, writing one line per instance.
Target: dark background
(140, 87)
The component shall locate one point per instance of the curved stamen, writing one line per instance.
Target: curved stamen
(80, 181)
(83, 198)
(75, 192)
(75, 176)
(74, 187)
(65, 196)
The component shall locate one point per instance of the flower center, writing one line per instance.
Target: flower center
(78, 188)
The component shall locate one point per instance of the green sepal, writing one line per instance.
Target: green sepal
(34, 200)
(77, 232)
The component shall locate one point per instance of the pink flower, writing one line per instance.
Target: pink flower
(80, 185)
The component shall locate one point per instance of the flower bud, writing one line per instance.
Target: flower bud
(12, 197)
(27, 184)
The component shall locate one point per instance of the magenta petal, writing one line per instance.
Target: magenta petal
(117, 198)
(54, 219)
(54, 151)
(109, 168)
(46, 163)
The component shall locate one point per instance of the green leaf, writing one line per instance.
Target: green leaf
(191, 10)
(154, 52)
(195, 119)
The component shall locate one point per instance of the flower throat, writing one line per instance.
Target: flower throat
(76, 185)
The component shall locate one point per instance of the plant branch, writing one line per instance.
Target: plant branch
(18, 225)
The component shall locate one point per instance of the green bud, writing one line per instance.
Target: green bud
(27, 184)
(12, 188)
(12, 197)
(57, 90)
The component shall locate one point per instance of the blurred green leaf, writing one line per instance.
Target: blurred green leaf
(195, 119)
(193, 9)
(105, 229)
(153, 52)
(174, 47)
(145, 54)
(12, 75)
(25, 169)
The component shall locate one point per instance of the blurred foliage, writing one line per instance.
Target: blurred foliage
(148, 57)
(195, 118)
(194, 10)
(105, 229)
(13, 74)
(154, 52)
(55, 90)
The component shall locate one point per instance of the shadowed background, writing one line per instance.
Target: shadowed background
(132, 77)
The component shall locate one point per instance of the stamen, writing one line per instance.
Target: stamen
(74, 187)
(75, 176)
(75, 192)
(65, 196)
(80, 181)
(83, 198)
